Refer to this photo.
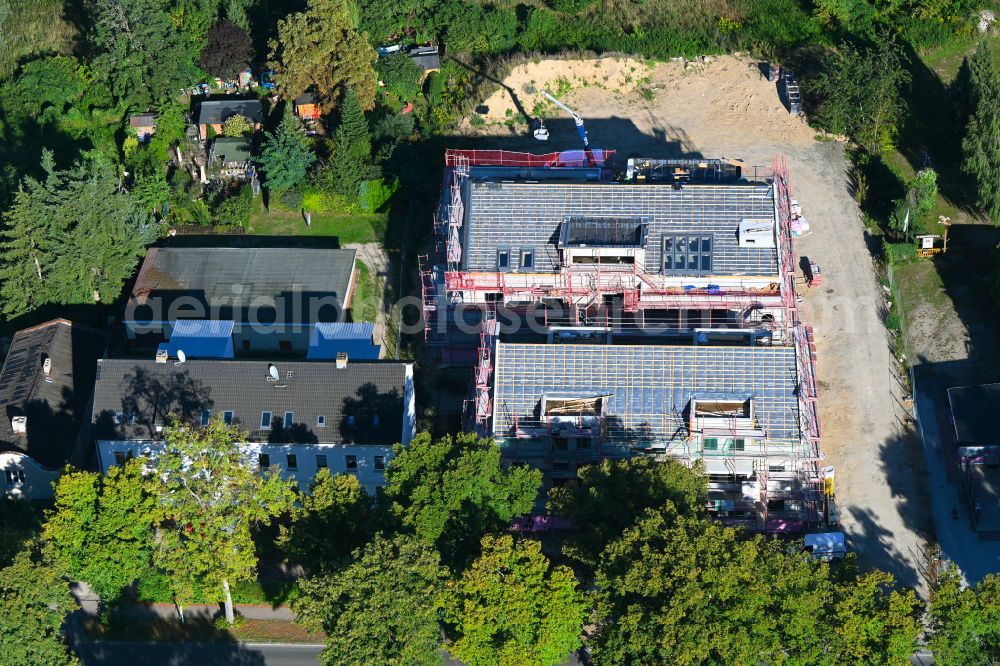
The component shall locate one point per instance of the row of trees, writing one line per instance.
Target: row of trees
(981, 145)
(387, 577)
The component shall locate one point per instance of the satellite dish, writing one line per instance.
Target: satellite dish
(181, 357)
(273, 372)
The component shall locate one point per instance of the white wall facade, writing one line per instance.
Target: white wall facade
(308, 458)
(21, 477)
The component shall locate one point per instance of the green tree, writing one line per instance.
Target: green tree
(227, 51)
(73, 237)
(56, 80)
(351, 163)
(34, 602)
(142, 53)
(20, 522)
(874, 623)
(965, 620)
(913, 209)
(611, 496)
(234, 208)
(237, 126)
(860, 94)
(285, 157)
(335, 518)
(981, 146)
(510, 607)
(402, 76)
(685, 590)
(452, 491)
(381, 608)
(209, 497)
(319, 49)
(101, 527)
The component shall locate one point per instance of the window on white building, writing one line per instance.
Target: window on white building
(351, 462)
(120, 457)
(320, 421)
(265, 420)
(289, 419)
(264, 460)
(321, 462)
(206, 416)
(227, 417)
(379, 463)
(293, 462)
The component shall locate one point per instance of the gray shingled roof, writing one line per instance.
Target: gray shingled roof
(225, 277)
(215, 112)
(648, 387)
(522, 215)
(56, 406)
(132, 396)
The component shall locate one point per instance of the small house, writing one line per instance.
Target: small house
(46, 385)
(306, 107)
(143, 124)
(214, 113)
(426, 57)
(231, 153)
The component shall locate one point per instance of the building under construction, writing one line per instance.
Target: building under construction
(666, 297)
(682, 246)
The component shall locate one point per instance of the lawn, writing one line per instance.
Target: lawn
(347, 227)
(366, 301)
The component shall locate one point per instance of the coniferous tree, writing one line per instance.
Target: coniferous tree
(981, 146)
(73, 237)
(285, 157)
(352, 157)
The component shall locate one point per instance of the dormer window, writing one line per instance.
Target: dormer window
(206, 416)
(289, 419)
(503, 260)
(527, 259)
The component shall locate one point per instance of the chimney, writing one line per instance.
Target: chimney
(341, 360)
(162, 356)
(47, 366)
(19, 424)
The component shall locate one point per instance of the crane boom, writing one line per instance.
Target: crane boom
(581, 130)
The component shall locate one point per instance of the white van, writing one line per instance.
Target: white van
(826, 546)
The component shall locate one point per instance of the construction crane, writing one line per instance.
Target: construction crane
(581, 130)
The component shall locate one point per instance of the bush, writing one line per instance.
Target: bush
(292, 199)
(375, 194)
(435, 87)
(900, 253)
(234, 207)
(401, 75)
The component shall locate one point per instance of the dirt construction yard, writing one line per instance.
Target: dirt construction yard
(726, 108)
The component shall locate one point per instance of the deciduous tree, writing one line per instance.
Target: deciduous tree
(237, 126)
(965, 620)
(452, 491)
(142, 53)
(336, 517)
(227, 51)
(611, 496)
(285, 157)
(319, 49)
(401, 75)
(209, 497)
(511, 607)
(101, 527)
(34, 602)
(380, 609)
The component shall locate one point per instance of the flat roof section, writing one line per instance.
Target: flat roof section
(523, 216)
(973, 411)
(648, 388)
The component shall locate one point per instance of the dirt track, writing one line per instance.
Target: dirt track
(725, 108)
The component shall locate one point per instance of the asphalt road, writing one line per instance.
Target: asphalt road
(122, 653)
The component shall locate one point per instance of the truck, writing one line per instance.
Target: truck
(826, 546)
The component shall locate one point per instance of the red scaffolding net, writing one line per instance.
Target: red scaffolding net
(565, 158)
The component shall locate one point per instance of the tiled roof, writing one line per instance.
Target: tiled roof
(361, 403)
(215, 112)
(520, 216)
(56, 405)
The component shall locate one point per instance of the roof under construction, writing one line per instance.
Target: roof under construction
(644, 392)
(531, 216)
